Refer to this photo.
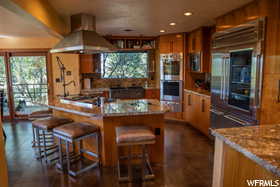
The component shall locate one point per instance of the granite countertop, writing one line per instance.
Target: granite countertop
(259, 143)
(108, 89)
(116, 108)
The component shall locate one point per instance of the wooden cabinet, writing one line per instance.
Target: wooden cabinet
(89, 63)
(198, 42)
(152, 94)
(172, 43)
(197, 111)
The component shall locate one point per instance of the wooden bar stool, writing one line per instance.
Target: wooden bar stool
(73, 133)
(135, 136)
(39, 115)
(42, 128)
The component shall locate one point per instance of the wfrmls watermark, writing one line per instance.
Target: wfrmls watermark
(263, 183)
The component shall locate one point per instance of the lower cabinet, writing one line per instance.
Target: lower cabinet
(197, 111)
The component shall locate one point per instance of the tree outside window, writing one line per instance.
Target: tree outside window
(124, 65)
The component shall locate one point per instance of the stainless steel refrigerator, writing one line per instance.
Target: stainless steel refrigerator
(236, 79)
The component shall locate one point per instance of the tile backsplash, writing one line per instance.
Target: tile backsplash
(108, 83)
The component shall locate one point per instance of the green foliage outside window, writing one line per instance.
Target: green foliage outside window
(124, 65)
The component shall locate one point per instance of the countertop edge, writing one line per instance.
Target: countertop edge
(268, 166)
(102, 115)
(197, 93)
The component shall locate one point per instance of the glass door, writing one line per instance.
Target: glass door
(29, 83)
(240, 78)
(3, 85)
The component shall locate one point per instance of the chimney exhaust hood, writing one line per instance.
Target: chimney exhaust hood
(83, 37)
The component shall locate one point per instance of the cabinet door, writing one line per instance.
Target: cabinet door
(178, 43)
(187, 100)
(204, 120)
(86, 64)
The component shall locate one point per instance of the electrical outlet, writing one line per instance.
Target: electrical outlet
(68, 73)
(157, 131)
(57, 80)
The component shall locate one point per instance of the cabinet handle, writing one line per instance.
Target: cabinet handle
(189, 100)
(203, 105)
(278, 97)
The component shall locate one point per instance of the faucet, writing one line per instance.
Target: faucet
(62, 77)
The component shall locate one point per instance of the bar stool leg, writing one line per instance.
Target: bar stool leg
(143, 162)
(60, 162)
(45, 147)
(129, 164)
(38, 143)
(67, 156)
(34, 138)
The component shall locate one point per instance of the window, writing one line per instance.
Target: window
(124, 65)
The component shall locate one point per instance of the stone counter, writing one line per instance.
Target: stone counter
(261, 144)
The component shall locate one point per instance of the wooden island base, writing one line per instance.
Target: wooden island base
(108, 124)
(233, 169)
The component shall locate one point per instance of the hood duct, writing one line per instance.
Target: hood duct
(83, 37)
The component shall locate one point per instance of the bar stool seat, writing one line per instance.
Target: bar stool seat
(40, 114)
(75, 130)
(134, 135)
(73, 133)
(50, 122)
(128, 136)
(44, 143)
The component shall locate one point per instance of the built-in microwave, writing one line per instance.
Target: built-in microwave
(195, 61)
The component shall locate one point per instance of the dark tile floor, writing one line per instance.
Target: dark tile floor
(188, 162)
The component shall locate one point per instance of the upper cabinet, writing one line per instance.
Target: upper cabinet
(132, 43)
(198, 50)
(171, 43)
(89, 63)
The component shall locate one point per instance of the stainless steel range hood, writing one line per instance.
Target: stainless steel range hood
(83, 37)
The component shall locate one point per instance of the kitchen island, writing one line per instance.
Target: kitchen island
(247, 153)
(109, 115)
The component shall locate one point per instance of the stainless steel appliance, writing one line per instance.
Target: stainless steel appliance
(171, 93)
(237, 75)
(171, 66)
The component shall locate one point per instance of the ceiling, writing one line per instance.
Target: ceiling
(12, 25)
(147, 17)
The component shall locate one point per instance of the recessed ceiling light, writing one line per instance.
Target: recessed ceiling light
(4, 36)
(162, 31)
(187, 13)
(172, 24)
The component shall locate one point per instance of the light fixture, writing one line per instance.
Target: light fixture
(172, 24)
(188, 13)
(162, 31)
(4, 36)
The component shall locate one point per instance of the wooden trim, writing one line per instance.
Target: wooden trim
(218, 170)
(32, 50)
(50, 79)
(9, 86)
(3, 163)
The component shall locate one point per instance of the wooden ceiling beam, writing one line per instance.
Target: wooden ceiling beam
(39, 12)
